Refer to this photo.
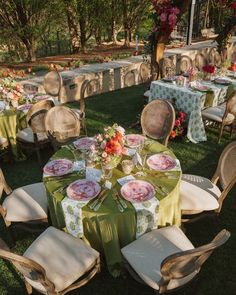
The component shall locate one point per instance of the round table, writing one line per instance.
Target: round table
(108, 229)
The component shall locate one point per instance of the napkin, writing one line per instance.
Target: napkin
(93, 174)
(124, 180)
(72, 211)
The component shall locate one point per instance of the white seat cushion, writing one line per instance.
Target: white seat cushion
(198, 194)
(64, 258)
(216, 114)
(146, 254)
(26, 203)
(27, 135)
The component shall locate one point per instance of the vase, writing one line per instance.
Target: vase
(207, 76)
(14, 103)
(108, 167)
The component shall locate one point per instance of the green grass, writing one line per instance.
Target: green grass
(218, 273)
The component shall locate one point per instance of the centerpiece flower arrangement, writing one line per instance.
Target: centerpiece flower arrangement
(11, 91)
(179, 129)
(209, 70)
(192, 73)
(109, 146)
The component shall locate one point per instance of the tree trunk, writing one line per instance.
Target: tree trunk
(73, 28)
(98, 36)
(82, 35)
(127, 36)
(31, 49)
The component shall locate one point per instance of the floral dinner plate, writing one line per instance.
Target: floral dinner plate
(161, 162)
(222, 81)
(137, 191)
(58, 167)
(83, 190)
(25, 107)
(84, 143)
(134, 140)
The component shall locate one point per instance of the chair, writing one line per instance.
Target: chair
(62, 126)
(166, 260)
(157, 120)
(35, 137)
(224, 114)
(88, 88)
(200, 196)
(4, 147)
(52, 83)
(55, 263)
(24, 206)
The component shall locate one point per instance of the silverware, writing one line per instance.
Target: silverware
(122, 202)
(118, 204)
(97, 201)
(100, 201)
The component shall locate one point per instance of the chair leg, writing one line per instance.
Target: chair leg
(221, 132)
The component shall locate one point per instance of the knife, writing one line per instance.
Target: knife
(122, 202)
(115, 198)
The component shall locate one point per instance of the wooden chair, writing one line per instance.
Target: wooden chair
(166, 260)
(145, 72)
(157, 120)
(35, 137)
(62, 126)
(200, 196)
(55, 263)
(24, 206)
(223, 115)
(52, 83)
(4, 148)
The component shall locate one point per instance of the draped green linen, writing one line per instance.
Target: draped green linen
(108, 229)
(11, 122)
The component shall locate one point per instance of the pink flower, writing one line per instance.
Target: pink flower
(104, 154)
(175, 10)
(182, 116)
(163, 17)
(177, 122)
(172, 20)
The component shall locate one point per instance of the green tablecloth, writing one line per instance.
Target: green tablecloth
(11, 122)
(108, 230)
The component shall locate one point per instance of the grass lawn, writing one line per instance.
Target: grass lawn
(218, 275)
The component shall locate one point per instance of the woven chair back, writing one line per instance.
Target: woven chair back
(168, 67)
(157, 119)
(129, 78)
(36, 115)
(226, 168)
(27, 267)
(184, 264)
(185, 63)
(52, 83)
(90, 88)
(231, 104)
(145, 72)
(62, 123)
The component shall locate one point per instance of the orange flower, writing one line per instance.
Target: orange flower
(173, 134)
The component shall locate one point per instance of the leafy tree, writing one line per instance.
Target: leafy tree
(25, 20)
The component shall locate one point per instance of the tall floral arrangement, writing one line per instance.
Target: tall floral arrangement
(109, 146)
(166, 15)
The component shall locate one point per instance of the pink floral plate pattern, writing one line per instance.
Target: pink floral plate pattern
(202, 88)
(137, 191)
(83, 190)
(222, 81)
(84, 143)
(161, 162)
(25, 107)
(58, 167)
(134, 140)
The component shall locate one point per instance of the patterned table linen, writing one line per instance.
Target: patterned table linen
(72, 211)
(191, 102)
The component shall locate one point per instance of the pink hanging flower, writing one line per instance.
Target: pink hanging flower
(163, 17)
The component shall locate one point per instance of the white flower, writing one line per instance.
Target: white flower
(120, 130)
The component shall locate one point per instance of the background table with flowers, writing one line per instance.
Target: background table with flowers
(109, 229)
(191, 102)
